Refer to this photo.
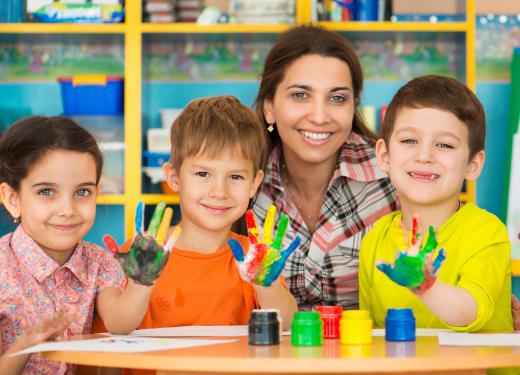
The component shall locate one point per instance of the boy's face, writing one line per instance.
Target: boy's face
(427, 156)
(213, 192)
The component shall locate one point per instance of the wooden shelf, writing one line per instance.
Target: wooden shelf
(193, 28)
(62, 28)
(397, 26)
(515, 267)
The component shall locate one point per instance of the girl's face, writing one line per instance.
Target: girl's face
(313, 109)
(57, 201)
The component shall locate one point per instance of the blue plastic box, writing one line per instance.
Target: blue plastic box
(156, 159)
(92, 95)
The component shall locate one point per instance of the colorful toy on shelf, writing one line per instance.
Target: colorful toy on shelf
(149, 252)
(84, 13)
(414, 268)
(265, 259)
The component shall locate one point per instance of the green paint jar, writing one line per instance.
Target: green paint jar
(307, 329)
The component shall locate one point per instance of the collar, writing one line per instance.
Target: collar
(39, 264)
(356, 161)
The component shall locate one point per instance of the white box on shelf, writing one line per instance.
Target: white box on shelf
(168, 116)
(158, 140)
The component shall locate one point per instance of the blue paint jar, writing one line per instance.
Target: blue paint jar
(400, 325)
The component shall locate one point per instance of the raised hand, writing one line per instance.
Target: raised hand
(414, 269)
(149, 252)
(265, 259)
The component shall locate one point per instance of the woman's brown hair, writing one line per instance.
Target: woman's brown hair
(309, 40)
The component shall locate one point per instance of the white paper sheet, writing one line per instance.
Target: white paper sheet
(479, 339)
(193, 331)
(120, 344)
(419, 332)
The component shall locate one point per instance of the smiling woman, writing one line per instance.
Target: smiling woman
(322, 171)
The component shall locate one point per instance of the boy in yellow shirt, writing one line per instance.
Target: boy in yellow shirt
(432, 140)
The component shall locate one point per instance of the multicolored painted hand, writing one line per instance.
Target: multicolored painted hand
(265, 259)
(414, 269)
(149, 252)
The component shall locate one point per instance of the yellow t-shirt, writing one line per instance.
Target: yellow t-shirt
(477, 259)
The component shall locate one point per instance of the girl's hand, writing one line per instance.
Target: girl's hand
(265, 259)
(46, 329)
(149, 252)
(414, 268)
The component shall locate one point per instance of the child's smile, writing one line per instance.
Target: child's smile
(427, 157)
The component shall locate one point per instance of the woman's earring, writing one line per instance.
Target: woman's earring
(16, 220)
(270, 128)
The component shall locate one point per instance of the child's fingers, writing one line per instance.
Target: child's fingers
(267, 237)
(236, 249)
(415, 229)
(384, 267)
(290, 249)
(415, 248)
(252, 228)
(439, 259)
(280, 233)
(431, 241)
(156, 219)
(111, 243)
(173, 238)
(165, 225)
(139, 217)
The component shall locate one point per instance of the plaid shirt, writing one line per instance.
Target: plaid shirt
(324, 268)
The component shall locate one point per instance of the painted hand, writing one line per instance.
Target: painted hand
(149, 252)
(265, 259)
(414, 269)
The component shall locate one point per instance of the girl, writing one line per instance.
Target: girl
(49, 278)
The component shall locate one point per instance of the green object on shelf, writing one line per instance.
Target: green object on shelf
(307, 329)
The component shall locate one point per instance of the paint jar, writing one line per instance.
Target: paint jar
(264, 327)
(400, 325)
(307, 329)
(330, 315)
(355, 327)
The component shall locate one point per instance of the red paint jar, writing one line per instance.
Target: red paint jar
(331, 315)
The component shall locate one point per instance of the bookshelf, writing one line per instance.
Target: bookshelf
(134, 31)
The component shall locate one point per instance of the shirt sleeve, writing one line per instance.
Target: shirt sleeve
(110, 274)
(484, 273)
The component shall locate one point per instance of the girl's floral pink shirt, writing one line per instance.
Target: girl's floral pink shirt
(34, 287)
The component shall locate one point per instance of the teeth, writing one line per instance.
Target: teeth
(315, 136)
(426, 177)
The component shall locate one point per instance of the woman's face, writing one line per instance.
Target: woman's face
(313, 108)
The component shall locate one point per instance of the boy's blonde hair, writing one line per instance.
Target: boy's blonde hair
(446, 94)
(211, 125)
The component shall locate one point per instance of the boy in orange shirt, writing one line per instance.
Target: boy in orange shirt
(218, 151)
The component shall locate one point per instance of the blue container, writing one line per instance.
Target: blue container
(365, 10)
(104, 97)
(156, 159)
(400, 325)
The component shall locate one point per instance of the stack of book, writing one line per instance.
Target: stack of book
(262, 12)
(159, 11)
(189, 10)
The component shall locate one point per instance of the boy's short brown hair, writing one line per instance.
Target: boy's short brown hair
(443, 93)
(211, 125)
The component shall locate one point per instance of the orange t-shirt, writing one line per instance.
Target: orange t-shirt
(198, 289)
(201, 289)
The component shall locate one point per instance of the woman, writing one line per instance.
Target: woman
(322, 172)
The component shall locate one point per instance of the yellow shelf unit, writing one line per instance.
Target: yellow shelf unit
(133, 31)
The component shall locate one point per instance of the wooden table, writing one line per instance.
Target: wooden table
(424, 356)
